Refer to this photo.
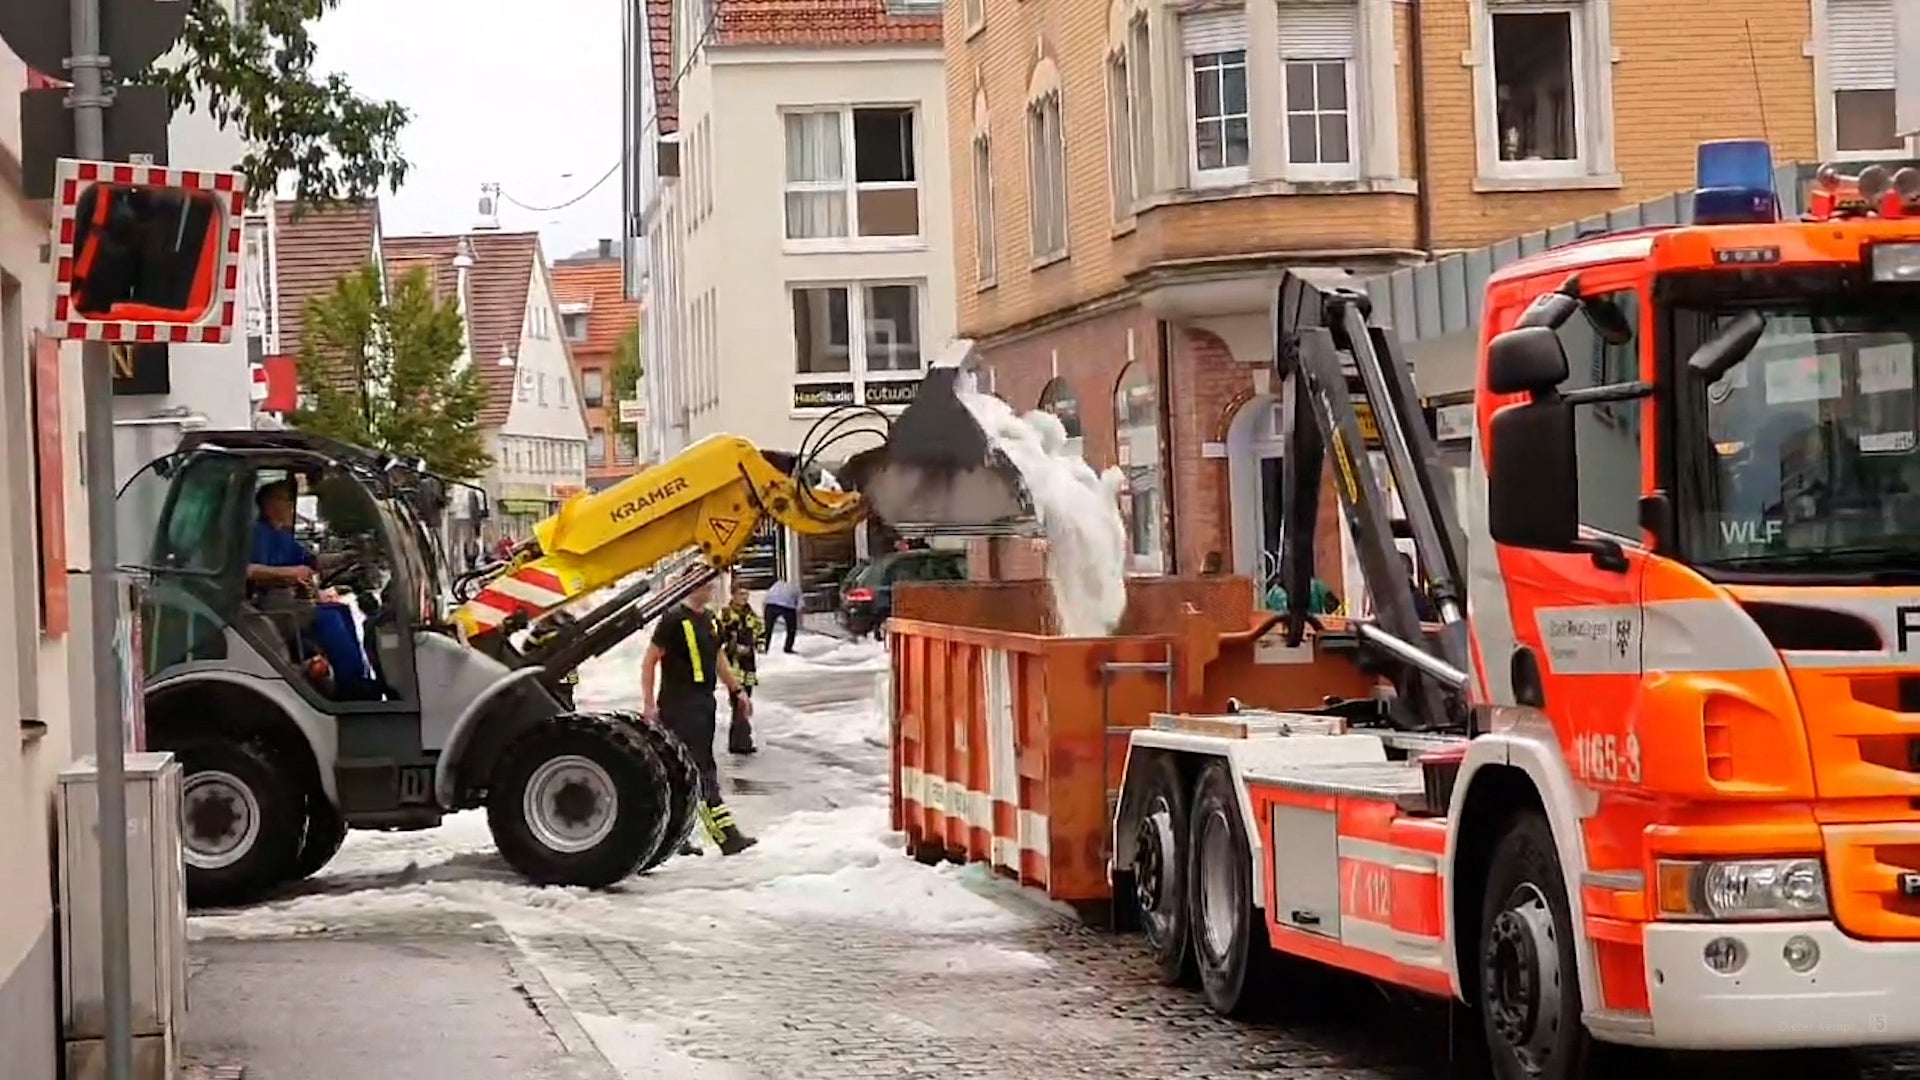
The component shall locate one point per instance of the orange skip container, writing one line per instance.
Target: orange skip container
(1008, 742)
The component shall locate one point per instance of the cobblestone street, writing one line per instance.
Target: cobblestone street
(823, 953)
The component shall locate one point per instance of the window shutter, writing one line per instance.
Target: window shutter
(1860, 44)
(1213, 32)
(1318, 31)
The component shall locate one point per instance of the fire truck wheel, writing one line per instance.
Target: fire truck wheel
(1529, 992)
(1229, 933)
(1160, 871)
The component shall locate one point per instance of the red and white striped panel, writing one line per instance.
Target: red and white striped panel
(529, 590)
(217, 326)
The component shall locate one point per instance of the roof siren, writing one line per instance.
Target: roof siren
(1734, 183)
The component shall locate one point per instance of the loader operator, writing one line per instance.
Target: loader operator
(686, 654)
(740, 632)
(279, 561)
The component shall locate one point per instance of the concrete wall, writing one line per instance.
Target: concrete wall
(33, 683)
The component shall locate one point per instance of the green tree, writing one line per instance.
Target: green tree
(627, 369)
(382, 370)
(256, 78)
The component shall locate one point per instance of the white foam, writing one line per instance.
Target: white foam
(1078, 511)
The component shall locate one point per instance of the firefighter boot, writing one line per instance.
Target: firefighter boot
(722, 831)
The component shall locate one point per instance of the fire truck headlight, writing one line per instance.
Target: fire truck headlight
(1738, 889)
(1895, 264)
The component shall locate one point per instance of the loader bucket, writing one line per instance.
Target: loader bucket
(938, 474)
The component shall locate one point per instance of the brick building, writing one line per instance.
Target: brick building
(595, 315)
(1135, 174)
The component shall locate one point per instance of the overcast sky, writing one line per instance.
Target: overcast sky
(523, 94)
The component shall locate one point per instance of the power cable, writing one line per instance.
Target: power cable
(686, 66)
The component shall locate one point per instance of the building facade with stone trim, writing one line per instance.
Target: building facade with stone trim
(1130, 178)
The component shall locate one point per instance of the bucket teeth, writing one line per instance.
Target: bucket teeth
(938, 473)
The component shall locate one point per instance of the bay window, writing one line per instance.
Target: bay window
(1318, 61)
(1219, 123)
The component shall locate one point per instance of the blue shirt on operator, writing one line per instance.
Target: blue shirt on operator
(278, 547)
(333, 629)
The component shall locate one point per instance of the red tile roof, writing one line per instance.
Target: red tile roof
(313, 249)
(820, 22)
(660, 49)
(503, 266)
(597, 283)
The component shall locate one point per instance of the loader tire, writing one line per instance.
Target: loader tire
(326, 831)
(242, 814)
(683, 782)
(580, 799)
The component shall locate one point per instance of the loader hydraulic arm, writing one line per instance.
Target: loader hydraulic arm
(706, 502)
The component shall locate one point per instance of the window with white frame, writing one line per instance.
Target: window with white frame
(706, 167)
(1140, 104)
(593, 387)
(1862, 65)
(713, 348)
(985, 247)
(1543, 93)
(852, 173)
(1046, 177)
(851, 338)
(1120, 133)
(597, 448)
(1218, 125)
(1317, 69)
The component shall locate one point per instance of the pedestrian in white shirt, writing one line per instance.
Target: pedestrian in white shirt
(782, 603)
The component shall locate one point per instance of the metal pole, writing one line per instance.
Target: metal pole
(88, 102)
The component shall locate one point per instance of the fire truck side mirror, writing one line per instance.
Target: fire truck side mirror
(146, 254)
(1525, 360)
(1533, 491)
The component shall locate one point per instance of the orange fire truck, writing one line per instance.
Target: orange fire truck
(1655, 780)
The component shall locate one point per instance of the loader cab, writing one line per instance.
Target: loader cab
(210, 528)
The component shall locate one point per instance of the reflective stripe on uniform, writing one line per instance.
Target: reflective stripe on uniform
(693, 651)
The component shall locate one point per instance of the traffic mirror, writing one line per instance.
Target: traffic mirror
(147, 254)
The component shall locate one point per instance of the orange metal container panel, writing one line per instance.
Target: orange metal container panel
(1008, 743)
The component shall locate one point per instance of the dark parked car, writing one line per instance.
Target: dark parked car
(866, 594)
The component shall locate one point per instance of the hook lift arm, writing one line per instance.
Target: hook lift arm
(1334, 363)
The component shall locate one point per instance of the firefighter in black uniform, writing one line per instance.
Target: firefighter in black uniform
(686, 654)
(740, 630)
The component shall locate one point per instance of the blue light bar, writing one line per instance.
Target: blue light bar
(1733, 183)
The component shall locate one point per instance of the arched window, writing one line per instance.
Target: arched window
(1136, 426)
(1062, 402)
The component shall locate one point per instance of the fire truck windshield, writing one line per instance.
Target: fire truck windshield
(1807, 456)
